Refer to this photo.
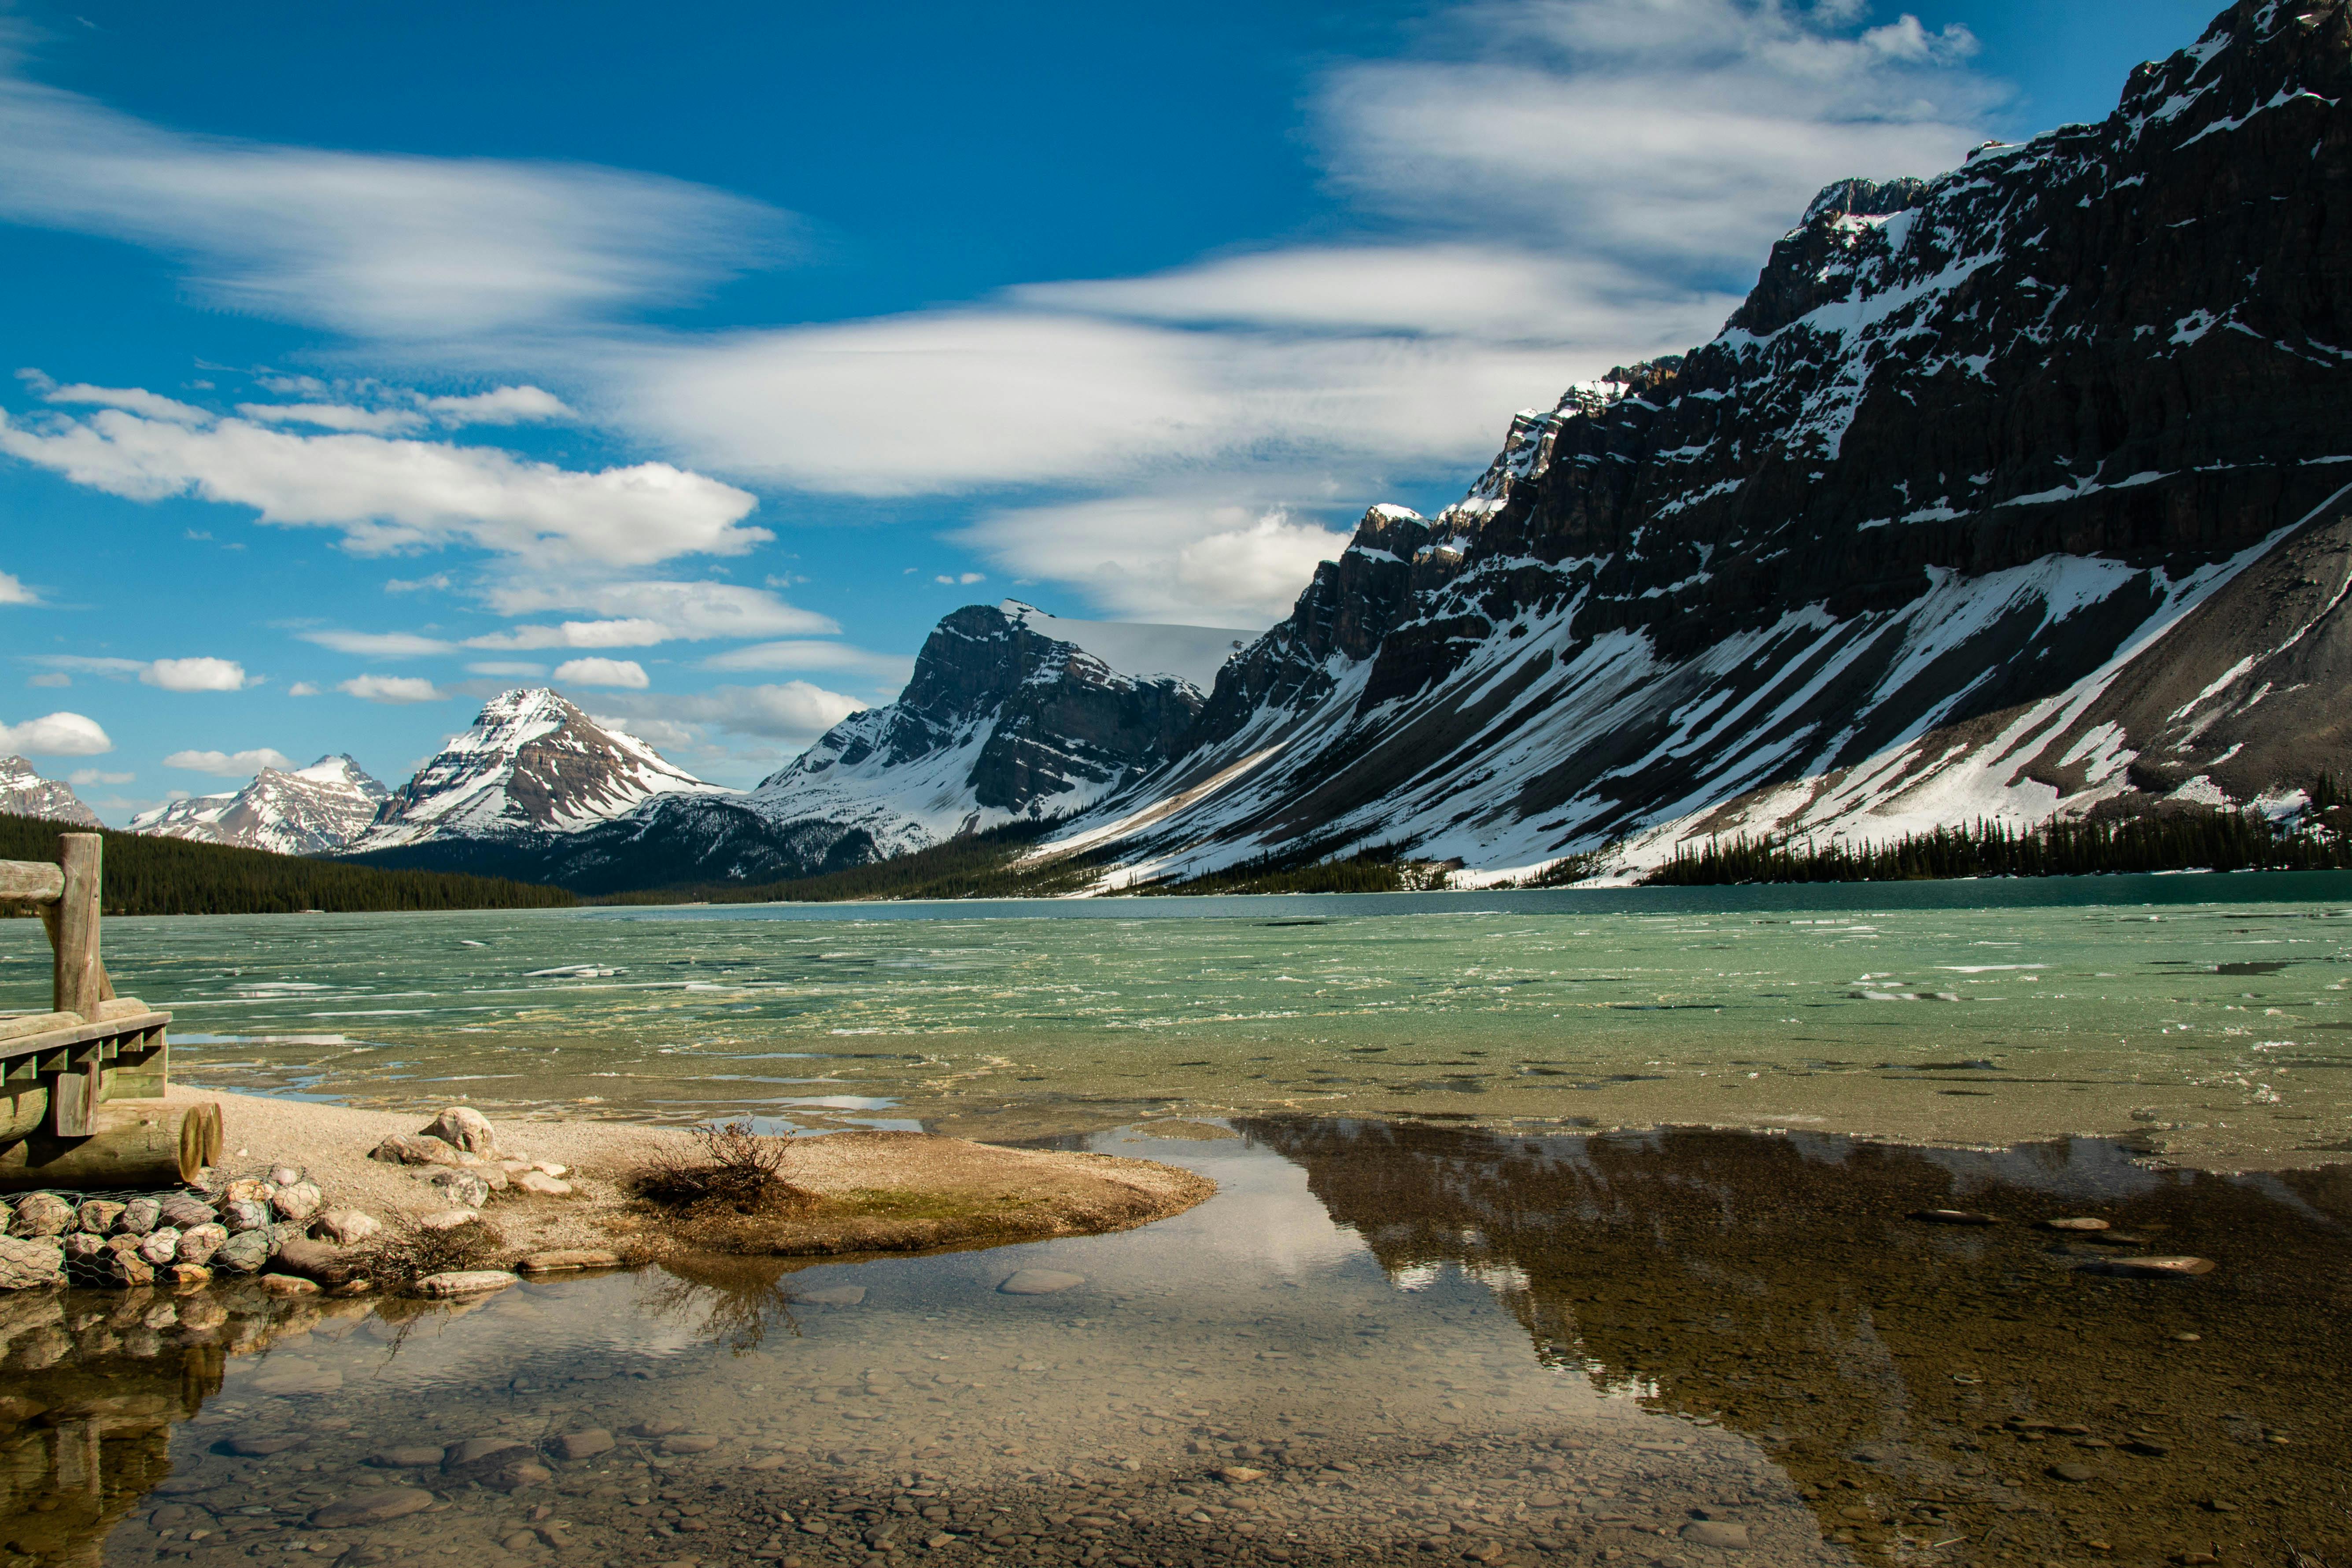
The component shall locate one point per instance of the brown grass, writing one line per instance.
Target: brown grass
(407, 1252)
(731, 1174)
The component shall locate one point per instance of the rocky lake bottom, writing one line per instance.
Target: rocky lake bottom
(1381, 1341)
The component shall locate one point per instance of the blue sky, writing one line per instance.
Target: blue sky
(694, 360)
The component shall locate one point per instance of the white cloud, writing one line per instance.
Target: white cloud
(391, 689)
(56, 735)
(195, 675)
(229, 765)
(55, 678)
(302, 688)
(420, 250)
(337, 416)
(137, 400)
(808, 655)
(440, 581)
(620, 672)
(82, 778)
(379, 645)
(501, 405)
(795, 711)
(1165, 558)
(634, 632)
(14, 592)
(1683, 135)
(693, 612)
(963, 580)
(390, 495)
(509, 668)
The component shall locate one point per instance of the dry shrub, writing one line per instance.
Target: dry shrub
(733, 1170)
(407, 1252)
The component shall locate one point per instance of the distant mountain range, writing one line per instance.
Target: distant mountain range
(2015, 492)
(23, 793)
(321, 809)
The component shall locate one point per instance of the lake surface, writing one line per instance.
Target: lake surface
(1695, 1350)
(2203, 1015)
(1438, 1310)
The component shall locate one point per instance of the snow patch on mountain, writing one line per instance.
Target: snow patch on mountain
(531, 764)
(318, 810)
(23, 793)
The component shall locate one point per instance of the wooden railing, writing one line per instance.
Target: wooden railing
(93, 1046)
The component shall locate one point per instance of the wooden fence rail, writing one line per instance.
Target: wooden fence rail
(90, 1047)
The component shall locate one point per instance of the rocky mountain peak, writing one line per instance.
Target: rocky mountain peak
(532, 763)
(24, 793)
(318, 810)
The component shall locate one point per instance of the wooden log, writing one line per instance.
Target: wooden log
(138, 1144)
(80, 985)
(30, 882)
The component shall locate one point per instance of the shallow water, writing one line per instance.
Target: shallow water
(1434, 1343)
(2203, 1015)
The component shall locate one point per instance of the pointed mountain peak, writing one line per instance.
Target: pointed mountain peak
(24, 793)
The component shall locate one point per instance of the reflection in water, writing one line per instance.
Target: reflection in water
(1976, 1392)
(1742, 1357)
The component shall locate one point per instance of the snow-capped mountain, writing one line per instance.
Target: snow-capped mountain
(317, 810)
(532, 766)
(2016, 489)
(1012, 714)
(23, 793)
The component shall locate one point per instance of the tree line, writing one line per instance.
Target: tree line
(2204, 840)
(144, 875)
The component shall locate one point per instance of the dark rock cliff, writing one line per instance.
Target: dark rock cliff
(1968, 441)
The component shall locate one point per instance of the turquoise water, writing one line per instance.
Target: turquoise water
(2204, 1015)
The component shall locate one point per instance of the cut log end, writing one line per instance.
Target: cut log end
(137, 1145)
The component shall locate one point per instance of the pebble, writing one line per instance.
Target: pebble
(188, 1275)
(262, 1448)
(1240, 1475)
(463, 1127)
(160, 1245)
(25, 1263)
(2075, 1223)
(689, 1443)
(842, 1295)
(448, 1219)
(1953, 1217)
(245, 1253)
(181, 1212)
(466, 1282)
(130, 1268)
(2073, 1472)
(139, 1217)
(463, 1187)
(410, 1149)
(2149, 1268)
(583, 1445)
(41, 1215)
(198, 1243)
(288, 1285)
(377, 1507)
(578, 1258)
(545, 1185)
(285, 1176)
(405, 1458)
(345, 1227)
(241, 1215)
(1040, 1282)
(98, 1215)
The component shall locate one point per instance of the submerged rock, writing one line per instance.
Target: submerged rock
(377, 1507)
(466, 1282)
(1040, 1282)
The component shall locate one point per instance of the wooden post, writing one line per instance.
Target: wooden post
(79, 980)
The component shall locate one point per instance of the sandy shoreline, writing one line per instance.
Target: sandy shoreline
(876, 1191)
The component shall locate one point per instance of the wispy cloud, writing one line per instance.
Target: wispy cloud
(229, 765)
(379, 645)
(810, 654)
(199, 673)
(379, 245)
(392, 689)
